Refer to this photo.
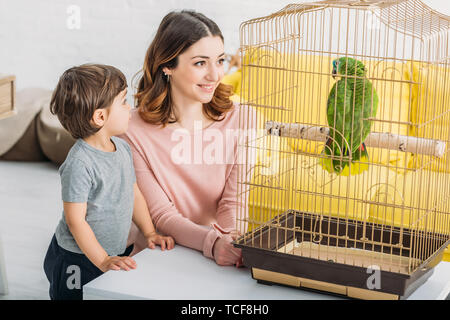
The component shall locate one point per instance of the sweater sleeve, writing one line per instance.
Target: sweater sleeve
(163, 212)
(229, 204)
(233, 204)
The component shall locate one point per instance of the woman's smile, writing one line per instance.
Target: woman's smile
(208, 88)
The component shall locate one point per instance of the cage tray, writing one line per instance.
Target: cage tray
(339, 256)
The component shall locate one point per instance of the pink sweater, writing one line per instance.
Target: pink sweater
(185, 191)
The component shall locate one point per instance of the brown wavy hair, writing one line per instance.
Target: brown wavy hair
(176, 33)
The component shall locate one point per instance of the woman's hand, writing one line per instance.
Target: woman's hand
(163, 241)
(117, 263)
(225, 253)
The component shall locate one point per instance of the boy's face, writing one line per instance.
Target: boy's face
(118, 115)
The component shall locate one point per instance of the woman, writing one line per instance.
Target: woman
(181, 106)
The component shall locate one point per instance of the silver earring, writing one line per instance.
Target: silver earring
(167, 77)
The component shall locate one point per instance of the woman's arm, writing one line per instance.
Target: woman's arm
(143, 221)
(232, 211)
(141, 216)
(230, 205)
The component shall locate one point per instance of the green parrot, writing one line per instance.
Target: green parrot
(351, 101)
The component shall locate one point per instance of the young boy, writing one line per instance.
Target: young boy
(99, 191)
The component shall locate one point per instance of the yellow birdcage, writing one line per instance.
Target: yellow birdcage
(320, 79)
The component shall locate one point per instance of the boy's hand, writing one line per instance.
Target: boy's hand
(118, 263)
(163, 241)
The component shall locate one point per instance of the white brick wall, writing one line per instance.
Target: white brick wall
(37, 46)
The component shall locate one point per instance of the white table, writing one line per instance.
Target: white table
(183, 273)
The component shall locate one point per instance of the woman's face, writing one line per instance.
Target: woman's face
(199, 71)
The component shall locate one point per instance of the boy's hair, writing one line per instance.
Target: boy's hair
(82, 90)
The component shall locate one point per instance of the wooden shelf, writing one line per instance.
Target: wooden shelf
(7, 96)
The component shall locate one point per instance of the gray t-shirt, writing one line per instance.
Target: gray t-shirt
(105, 181)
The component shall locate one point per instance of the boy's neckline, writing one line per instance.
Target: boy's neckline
(96, 149)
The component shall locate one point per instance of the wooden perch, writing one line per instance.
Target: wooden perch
(375, 139)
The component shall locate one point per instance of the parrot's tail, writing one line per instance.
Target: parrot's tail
(337, 164)
(360, 160)
(342, 167)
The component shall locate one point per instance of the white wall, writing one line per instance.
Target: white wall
(37, 45)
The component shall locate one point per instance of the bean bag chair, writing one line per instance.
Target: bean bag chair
(54, 140)
(34, 133)
(18, 134)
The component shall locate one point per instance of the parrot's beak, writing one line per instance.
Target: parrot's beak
(334, 73)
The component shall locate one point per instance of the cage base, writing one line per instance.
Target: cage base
(351, 256)
(269, 277)
(289, 255)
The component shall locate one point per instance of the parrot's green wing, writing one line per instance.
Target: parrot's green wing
(338, 111)
(366, 105)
